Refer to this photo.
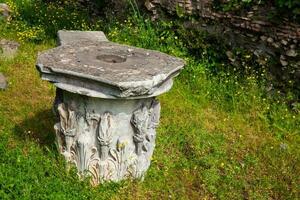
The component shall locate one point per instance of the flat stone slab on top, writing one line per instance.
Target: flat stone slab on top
(108, 70)
(112, 137)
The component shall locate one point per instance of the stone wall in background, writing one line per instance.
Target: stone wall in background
(254, 20)
(251, 29)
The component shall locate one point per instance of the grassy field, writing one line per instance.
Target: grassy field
(219, 137)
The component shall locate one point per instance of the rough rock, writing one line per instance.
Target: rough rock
(3, 83)
(4, 10)
(8, 49)
(284, 42)
(263, 38)
(291, 53)
(284, 63)
(270, 40)
(230, 56)
(293, 46)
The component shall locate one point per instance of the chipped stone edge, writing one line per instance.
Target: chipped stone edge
(97, 87)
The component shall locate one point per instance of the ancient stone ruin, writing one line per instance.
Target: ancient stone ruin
(105, 103)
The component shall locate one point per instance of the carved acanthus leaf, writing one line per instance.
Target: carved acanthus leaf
(59, 138)
(105, 129)
(84, 155)
(139, 121)
(154, 114)
(117, 159)
(67, 120)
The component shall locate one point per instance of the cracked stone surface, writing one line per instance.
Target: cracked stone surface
(108, 70)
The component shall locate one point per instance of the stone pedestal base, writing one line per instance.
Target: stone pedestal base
(108, 139)
(106, 102)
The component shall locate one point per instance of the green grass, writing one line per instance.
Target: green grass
(219, 137)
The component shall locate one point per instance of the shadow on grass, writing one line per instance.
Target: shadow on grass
(38, 128)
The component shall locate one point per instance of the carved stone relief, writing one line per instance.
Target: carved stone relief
(99, 147)
(105, 102)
